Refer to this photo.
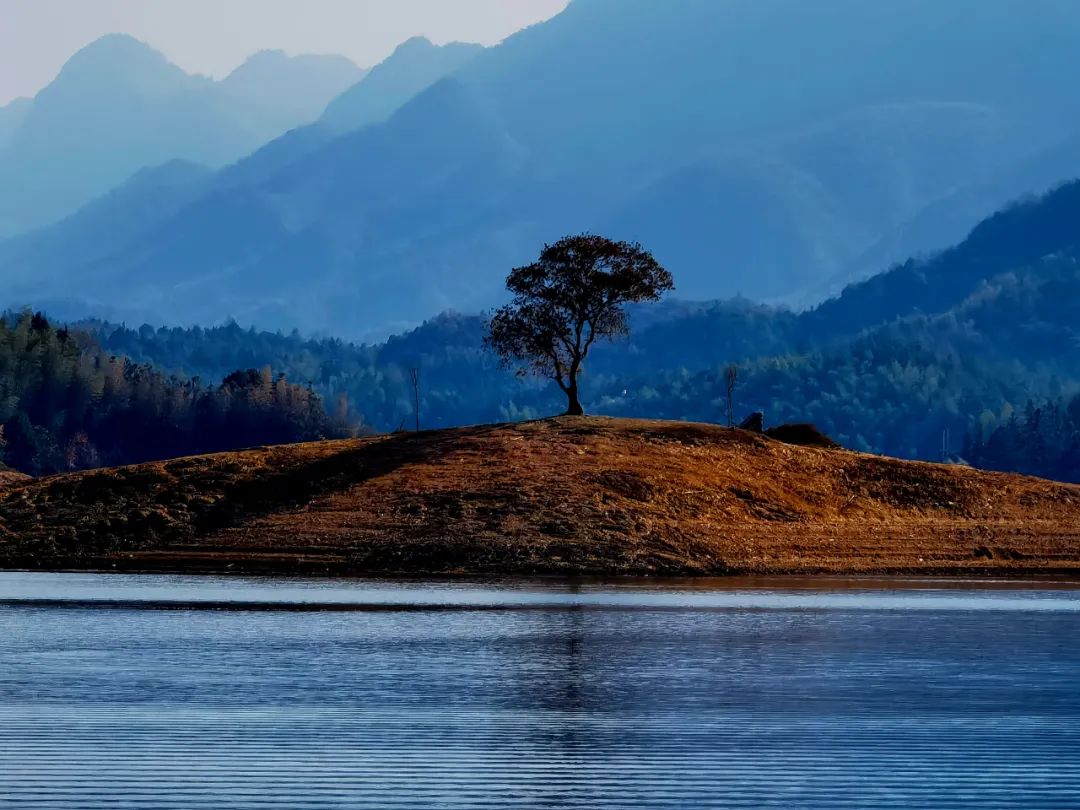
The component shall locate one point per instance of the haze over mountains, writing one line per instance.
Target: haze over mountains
(118, 106)
(414, 66)
(775, 149)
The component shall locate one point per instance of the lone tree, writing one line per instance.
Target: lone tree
(567, 300)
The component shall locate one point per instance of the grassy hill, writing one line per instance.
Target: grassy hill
(560, 496)
(10, 477)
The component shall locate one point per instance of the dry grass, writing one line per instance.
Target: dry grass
(569, 495)
(10, 478)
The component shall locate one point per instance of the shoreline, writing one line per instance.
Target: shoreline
(320, 571)
(85, 590)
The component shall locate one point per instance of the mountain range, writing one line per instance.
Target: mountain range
(777, 150)
(118, 106)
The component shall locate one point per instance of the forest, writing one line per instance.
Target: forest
(912, 387)
(66, 404)
(1042, 440)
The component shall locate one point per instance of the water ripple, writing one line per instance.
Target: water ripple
(607, 697)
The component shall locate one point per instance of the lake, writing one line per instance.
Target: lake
(182, 692)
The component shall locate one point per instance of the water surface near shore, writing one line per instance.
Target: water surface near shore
(162, 692)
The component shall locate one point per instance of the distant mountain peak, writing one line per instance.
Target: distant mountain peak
(414, 66)
(269, 55)
(113, 43)
(119, 105)
(265, 75)
(415, 43)
(117, 53)
(277, 59)
(258, 63)
(420, 45)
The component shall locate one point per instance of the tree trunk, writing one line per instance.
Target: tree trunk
(573, 407)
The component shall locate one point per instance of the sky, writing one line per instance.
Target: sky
(214, 36)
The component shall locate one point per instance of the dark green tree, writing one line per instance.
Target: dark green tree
(574, 295)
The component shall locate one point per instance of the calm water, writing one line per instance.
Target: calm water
(170, 692)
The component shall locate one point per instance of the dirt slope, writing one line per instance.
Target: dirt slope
(567, 495)
(10, 478)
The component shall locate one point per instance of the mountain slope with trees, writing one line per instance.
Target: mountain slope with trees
(1020, 236)
(65, 405)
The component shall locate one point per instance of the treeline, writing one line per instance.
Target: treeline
(911, 388)
(66, 404)
(897, 389)
(1043, 440)
(460, 382)
(875, 395)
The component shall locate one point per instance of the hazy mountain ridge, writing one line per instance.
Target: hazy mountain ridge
(35, 262)
(413, 67)
(150, 195)
(118, 106)
(274, 79)
(1018, 237)
(627, 118)
(310, 208)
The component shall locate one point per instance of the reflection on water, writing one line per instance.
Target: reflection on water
(561, 695)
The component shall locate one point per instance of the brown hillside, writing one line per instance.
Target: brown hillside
(567, 495)
(10, 478)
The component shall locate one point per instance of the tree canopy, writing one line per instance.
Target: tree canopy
(574, 295)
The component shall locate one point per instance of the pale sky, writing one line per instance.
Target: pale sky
(214, 36)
